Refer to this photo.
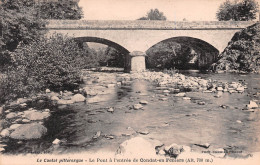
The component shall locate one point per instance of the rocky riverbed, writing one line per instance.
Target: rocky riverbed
(28, 119)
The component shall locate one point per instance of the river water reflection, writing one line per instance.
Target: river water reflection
(172, 121)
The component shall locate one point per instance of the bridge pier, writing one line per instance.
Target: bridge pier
(135, 62)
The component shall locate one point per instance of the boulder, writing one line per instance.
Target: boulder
(252, 105)
(204, 145)
(97, 135)
(238, 121)
(180, 95)
(26, 120)
(137, 106)
(14, 126)
(11, 115)
(144, 102)
(91, 92)
(166, 91)
(21, 100)
(56, 141)
(138, 147)
(47, 90)
(55, 98)
(240, 89)
(173, 150)
(29, 131)
(5, 133)
(144, 132)
(201, 103)
(37, 115)
(23, 105)
(110, 110)
(220, 89)
(78, 98)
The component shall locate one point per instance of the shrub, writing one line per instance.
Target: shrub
(52, 63)
(15, 83)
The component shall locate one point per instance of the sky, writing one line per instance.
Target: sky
(174, 10)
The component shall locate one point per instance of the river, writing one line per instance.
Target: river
(170, 121)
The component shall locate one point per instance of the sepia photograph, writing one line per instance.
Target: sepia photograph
(121, 82)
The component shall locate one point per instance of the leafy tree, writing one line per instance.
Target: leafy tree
(169, 54)
(61, 9)
(110, 57)
(154, 14)
(243, 10)
(18, 24)
(117, 59)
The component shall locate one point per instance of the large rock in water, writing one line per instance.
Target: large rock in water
(242, 52)
(138, 147)
(78, 98)
(29, 131)
(37, 115)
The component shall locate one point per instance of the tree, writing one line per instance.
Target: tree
(61, 9)
(154, 14)
(169, 54)
(116, 58)
(243, 10)
(18, 24)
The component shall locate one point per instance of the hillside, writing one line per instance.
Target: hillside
(242, 52)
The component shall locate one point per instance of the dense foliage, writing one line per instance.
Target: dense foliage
(115, 57)
(243, 52)
(52, 63)
(18, 24)
(60, 9)
(242, 10)
(169, 55)
(154, 14)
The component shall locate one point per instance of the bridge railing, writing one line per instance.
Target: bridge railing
(146, 24)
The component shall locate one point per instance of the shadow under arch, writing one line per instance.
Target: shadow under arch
(207, 53)
(102, 41)
(195, 43)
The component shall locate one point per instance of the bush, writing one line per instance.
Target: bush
(52, 63)
(15, 83)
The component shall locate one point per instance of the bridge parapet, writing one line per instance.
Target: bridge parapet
(146, 24)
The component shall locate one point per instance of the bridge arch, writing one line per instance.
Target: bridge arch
(195, 43)
(102, 41)
(207, 53)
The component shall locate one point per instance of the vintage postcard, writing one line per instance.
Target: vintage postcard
(97, 82)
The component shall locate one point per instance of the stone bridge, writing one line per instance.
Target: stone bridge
(134, 38)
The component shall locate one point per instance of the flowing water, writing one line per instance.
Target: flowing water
(172, 121)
